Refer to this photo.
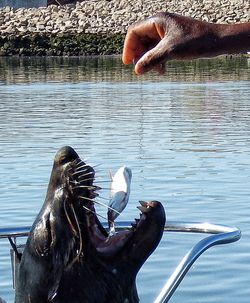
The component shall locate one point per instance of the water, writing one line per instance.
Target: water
(185, 135)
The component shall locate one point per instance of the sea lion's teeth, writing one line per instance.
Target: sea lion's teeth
(93, 194)
(143, 209)
(133, 225)
(143, 203)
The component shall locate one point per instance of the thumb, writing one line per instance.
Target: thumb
(153, 59)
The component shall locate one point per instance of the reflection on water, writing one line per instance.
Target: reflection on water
(185, 135)
(30, 70)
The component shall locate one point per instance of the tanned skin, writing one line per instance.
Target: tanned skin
(166, 36)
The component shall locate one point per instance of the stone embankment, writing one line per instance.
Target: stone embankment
(98, 26)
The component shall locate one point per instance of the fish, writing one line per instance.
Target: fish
(119, 195)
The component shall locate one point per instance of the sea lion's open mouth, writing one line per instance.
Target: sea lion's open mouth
(81, 178)
(112, 244)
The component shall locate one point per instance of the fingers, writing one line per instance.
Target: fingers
(133, 48)
(141, 37)
(153, 59)
(145, 45)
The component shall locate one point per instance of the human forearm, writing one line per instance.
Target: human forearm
(233, 38)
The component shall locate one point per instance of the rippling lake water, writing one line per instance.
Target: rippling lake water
(185, 135)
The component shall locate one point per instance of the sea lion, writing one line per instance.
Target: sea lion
(69, 257)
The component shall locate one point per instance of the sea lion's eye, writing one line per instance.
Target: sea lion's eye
(63, 160)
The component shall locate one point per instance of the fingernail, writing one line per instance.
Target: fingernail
(141, 68)
(138, 69)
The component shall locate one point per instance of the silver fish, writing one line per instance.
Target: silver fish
(119, 193)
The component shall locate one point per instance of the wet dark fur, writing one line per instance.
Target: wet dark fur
(62, 263)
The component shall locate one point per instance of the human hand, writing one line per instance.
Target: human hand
(165, 36)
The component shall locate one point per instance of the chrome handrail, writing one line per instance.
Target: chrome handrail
(221, 234)
(14, 232)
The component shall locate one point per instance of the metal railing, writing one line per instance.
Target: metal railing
(219, 234)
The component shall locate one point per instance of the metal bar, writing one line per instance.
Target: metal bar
(14, 232)
(172, 226)
(221, 234)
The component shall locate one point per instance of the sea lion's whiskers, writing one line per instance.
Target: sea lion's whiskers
(87, 165)
(80, 236)
(82, 171)
(100, 197)
(78, 172)
(89, 179)
(76, 233)
(89, 187)
(81, 177)
(88, 209)
(93, 212)
(96, 179)
(96, 165)
(69, 220)
(84, 175)
(82, 166)
(75, 182)
(100, 203)
(80, 162)
(78, 184)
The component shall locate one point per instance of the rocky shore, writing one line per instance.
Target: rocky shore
(95, 27)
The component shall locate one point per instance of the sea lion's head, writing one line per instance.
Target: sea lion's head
(68, 240)
(57, 226)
